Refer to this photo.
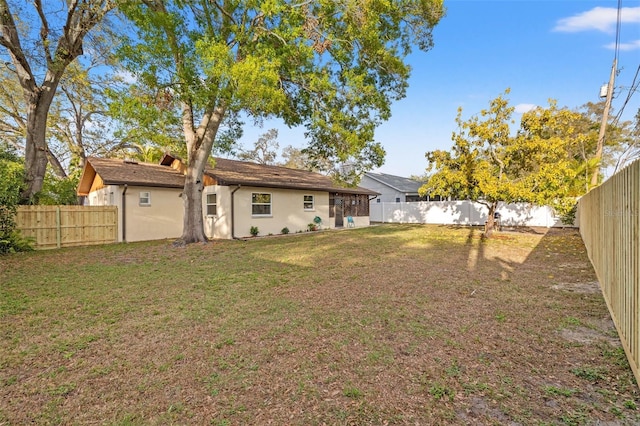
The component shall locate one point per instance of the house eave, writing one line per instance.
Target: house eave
(149, 184)
(298, 187)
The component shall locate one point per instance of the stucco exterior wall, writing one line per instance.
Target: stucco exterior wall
(163, 218)
(218, 225)
(287, 210)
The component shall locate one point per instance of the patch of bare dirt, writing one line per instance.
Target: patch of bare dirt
(585, 288)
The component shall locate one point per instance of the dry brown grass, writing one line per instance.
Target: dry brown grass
(384, 325)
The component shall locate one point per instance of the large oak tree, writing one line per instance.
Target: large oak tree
(333, 67)
(41, 43)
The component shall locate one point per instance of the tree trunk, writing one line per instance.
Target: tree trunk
(35, 156)
(193, 225)
(199, 144)
(490, 225)
(81, 18)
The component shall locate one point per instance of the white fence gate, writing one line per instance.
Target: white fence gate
(462, 213)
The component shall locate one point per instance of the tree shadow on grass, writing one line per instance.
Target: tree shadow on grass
(551, 336)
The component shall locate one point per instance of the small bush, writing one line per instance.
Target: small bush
(14, 242)
(254, 231)
(284, 230)
(11, 180)
(568, 217)
(312, 227)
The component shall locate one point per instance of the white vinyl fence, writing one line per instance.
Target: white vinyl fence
(462, 213)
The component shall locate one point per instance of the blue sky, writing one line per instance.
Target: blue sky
(540, 49)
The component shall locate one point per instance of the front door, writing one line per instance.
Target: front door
(339, 211)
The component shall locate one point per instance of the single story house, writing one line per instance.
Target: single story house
(237, 196)
(394, 189)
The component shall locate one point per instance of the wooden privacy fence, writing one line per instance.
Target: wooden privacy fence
(68, 226)
(609, 220)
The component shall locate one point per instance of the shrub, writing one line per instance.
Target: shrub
(284, 230)
(569, 217)
(312, 227)
(11, 179)
(254, 231)
(57, 191)
(14, 242)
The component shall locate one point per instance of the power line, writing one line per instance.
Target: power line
(634, 88)
(618, 25)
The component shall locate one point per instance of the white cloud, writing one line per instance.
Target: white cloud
(633, 45)
(599, 18)
(522, 108)
(126, 77)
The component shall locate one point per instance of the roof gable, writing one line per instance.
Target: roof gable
(121, 172)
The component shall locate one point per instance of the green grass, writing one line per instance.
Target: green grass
(557, 391)
(388, 324)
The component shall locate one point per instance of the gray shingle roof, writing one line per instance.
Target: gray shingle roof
(398, 183)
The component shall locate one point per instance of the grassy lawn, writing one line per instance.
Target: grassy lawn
(393, 324)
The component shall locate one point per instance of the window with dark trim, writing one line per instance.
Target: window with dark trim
(212, 205)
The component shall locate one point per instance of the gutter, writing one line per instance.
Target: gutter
(124, 216)
(233, 236)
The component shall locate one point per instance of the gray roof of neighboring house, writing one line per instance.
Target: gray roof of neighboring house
(400, 184)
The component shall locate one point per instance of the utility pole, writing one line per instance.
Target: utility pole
(603, 124)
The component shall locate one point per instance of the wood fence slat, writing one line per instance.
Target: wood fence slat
(609, 221)
(67, 226)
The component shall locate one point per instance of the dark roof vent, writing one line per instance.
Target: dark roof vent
(127, 161)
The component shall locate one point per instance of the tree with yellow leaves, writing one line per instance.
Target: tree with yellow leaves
(488, 164)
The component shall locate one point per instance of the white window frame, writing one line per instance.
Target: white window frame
(144, 198)
(312, 201)
(270, 214)
(210, 204)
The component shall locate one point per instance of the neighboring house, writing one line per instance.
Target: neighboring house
(237, 195)
(394, 189)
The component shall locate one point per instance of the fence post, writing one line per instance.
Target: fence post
(58, 230)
